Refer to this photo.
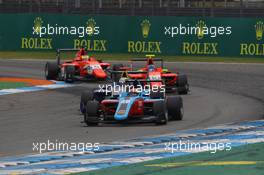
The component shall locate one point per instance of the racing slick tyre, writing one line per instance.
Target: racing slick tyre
(116, 67)
(91, 113)
(160, 111)
(69, 74)
(86, 96)
(51, 71)
(175, 107)
(183, 86)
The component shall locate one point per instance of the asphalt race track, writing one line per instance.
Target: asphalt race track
(220, 93)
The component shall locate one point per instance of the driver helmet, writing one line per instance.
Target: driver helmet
(122, 80)
(151, 68)
(79, 54)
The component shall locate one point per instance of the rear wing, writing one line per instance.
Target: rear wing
(125, 73)
(129, 72)
(64, 50)
(146, 59)
(144, 81)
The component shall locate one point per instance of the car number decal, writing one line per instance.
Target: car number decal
(155, 77)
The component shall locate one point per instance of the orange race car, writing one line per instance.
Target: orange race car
(173, 81)
(82, 67)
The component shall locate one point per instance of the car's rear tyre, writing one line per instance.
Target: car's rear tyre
(51, 71)
(86, 96)
(69, 73)
(175, 107)
(91, 113)
(183, 86)
(160, 111)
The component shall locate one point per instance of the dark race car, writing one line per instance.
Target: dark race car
(106, 106)
(173, 81)
(82, 67)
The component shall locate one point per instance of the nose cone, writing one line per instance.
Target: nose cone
(120, 115)
(99, 73)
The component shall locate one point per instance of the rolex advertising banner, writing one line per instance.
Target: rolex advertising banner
(181, 36)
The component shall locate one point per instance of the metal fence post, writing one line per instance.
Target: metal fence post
(241, 8)
(212, 8)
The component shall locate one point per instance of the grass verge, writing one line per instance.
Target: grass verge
(107, 56)
(244, 160)
(11, 85)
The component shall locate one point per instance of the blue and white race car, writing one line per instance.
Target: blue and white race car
(104, 106)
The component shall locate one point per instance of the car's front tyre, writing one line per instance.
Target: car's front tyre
(175, 107)
(91, 113)
(51, 71)
(160, 111)
(85, 97)
(182, 84)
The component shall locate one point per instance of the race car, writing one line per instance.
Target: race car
(104, 106)
(173, 81)
(82, 67)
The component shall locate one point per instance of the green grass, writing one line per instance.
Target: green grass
(107, 56)
(189, 164)
(11, 85)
